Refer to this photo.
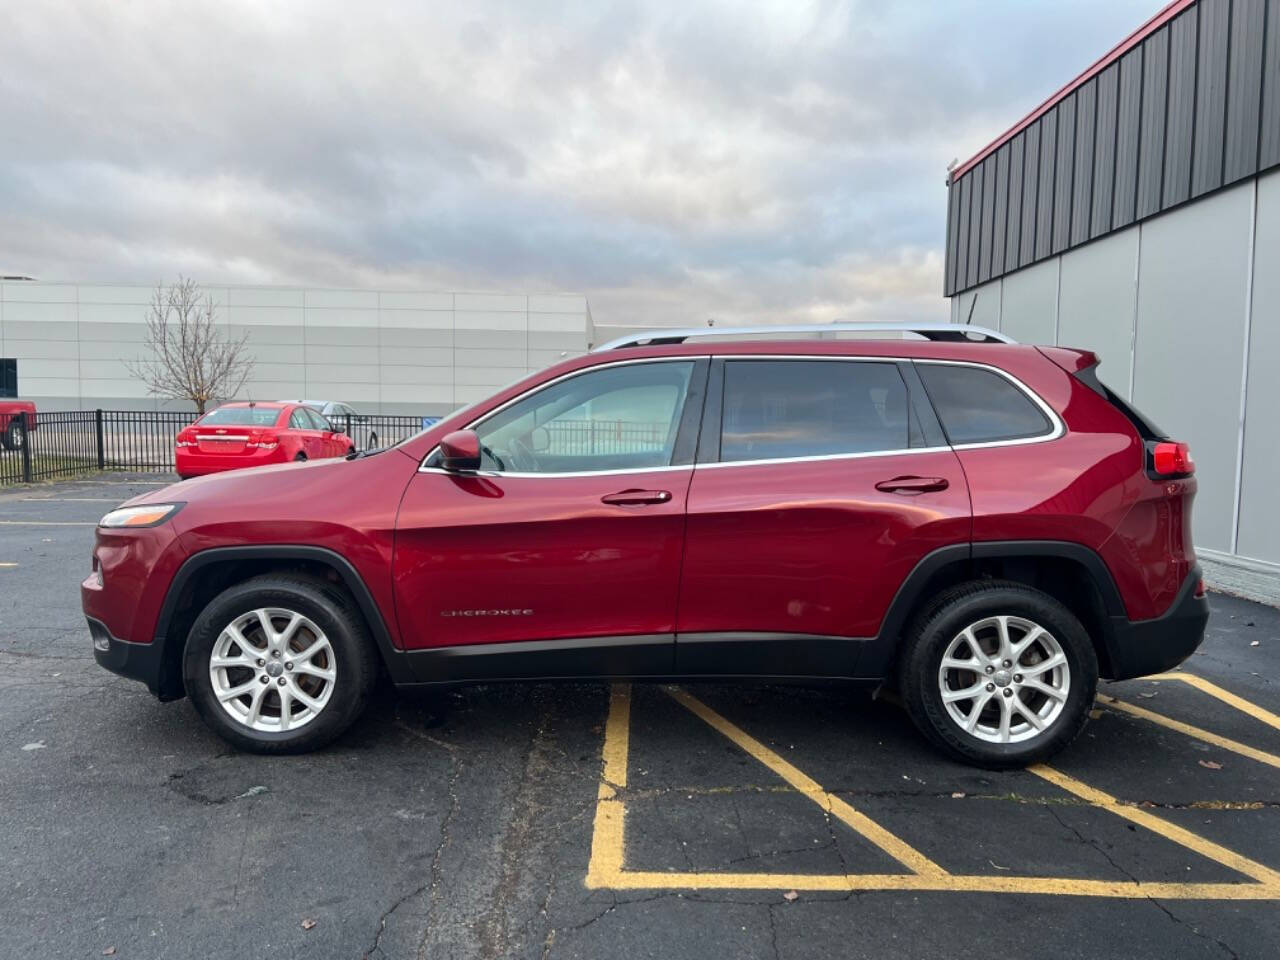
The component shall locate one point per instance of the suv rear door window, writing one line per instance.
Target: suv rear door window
(621, 417)
(977, 405)
(778, 409)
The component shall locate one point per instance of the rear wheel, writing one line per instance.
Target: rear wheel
(279, 664)
(998, 674)
(15, 437)
(299, 456)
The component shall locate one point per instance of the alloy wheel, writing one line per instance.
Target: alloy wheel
(1004, 679)
(272, 670)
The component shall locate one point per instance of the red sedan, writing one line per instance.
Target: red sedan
(238, 435)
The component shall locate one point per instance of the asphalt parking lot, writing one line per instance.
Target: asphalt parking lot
(595, 821)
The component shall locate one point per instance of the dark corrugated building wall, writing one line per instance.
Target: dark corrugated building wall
(1193, 106)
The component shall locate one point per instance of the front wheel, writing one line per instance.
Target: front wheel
(998, 674)
(279, 664)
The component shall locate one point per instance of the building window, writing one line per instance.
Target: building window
(8, 377)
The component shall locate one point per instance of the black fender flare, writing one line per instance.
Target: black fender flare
(910, 594)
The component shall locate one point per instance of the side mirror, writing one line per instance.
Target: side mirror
(460, 451)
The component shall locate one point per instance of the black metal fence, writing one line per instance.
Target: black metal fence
(68, 443)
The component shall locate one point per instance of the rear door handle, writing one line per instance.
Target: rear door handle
(913, 485)
(636, 498)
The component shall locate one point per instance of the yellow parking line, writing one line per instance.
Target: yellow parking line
(1185, 838)
(607, 867)
(1226, 696)
(948, 883)
(1234, 746)
(860, 822)
(607, 840)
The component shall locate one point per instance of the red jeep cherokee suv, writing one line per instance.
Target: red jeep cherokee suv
(982, 524)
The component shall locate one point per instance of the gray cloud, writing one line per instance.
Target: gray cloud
(672, 160)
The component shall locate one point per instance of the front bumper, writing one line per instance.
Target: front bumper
(144, 662)
(1138, 648)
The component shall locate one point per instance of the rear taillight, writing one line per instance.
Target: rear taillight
(1170, 459)
(264, 441)
(185, 440)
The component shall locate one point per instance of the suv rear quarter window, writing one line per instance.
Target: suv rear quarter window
(978, 405)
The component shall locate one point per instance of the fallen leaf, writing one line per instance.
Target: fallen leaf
(308, 923)
(109, 952)
(1254, 643)
(790, 895)
(1209, 764)
(958, 795)
(36, 745)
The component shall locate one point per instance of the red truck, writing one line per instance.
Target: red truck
(17, 419)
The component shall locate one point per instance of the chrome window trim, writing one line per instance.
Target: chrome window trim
(861, 455)
(577, 473)
(1057, 426)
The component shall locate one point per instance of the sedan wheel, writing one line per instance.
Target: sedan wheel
(273, 670)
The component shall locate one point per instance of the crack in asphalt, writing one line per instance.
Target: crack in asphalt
(437, 857)
(492, 929)
(432, 883)
(1152, 900)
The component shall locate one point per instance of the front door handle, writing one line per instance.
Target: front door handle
(913, 485)
(636, 498)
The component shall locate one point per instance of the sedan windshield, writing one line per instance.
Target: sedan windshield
(241, 416)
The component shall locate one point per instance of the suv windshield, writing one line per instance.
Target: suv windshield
(241, 416)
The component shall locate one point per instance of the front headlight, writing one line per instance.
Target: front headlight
(147, 515)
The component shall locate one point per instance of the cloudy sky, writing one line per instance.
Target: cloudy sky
(673, 159)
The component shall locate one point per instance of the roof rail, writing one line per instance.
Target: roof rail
(953, 332)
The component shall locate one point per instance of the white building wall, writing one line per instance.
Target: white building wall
(1184, 311)
(379, 350)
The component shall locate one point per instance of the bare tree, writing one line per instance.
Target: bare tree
(194, 358)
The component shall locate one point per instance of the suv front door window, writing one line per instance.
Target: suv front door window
(625, 417)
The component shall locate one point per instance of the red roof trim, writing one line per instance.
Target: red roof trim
(1108, 58)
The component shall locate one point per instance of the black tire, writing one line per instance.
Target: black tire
(299, 457)
(329, 608)
(942, 621)
(15, 436)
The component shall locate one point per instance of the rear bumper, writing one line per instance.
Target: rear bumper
(1138, 648)
(143, 662)
(196, 464)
